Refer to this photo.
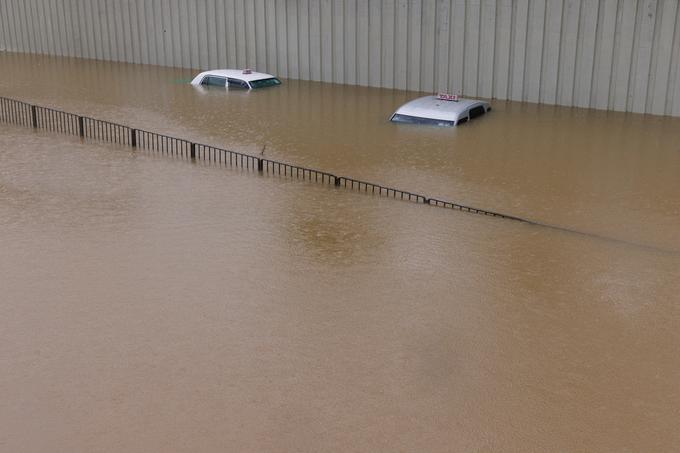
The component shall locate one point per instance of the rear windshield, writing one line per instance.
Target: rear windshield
(398, 118)
(263, 83)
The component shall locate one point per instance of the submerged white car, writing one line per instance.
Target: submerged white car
(235, 78)
(440, 110)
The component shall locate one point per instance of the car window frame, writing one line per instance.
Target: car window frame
(210, 77)
(242, 84)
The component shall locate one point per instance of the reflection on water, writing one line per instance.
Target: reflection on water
(147, 304)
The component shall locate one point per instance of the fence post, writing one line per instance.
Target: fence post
(193, 151)
(81, 126)
(133, 138)
(336, 181)
(34, 116)
(260, 165)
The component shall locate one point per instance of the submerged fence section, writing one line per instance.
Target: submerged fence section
(21, 113)
(16, 112)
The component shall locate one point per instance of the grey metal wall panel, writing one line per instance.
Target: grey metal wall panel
(108, 29)
(5, 24)
(292, 39)
(414, 45)
(39, 20)
(251, 42)
(503, 38)
(303, 39)
(26, 37)
(260, 35)
(571, 15)
(535, 46)
(3, 27)
(585, 53)
(350, 41)
(3, 31)
(314, 40)
(230, 18)
(471, 73)
(615, 54)
(661, 57)
(87, 30)
(282, 39)
(387, 18)
(623, 55)
(77, 26)
(362, 42)
(427, 50)
(19, 16)
(487, 44)
(220, 35)
(642, 55)
(202, 33)
(271, 56)
(374, 43)
(401, 44)
(166, 26)
(337, 36)
(673, 93)
(457, 46)
(604, 54)
(442, 18)
(65, 28)
(120, 32)
(30, 29)
(193, 36)
(12, 25)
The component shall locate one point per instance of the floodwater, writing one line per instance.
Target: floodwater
(150, 304)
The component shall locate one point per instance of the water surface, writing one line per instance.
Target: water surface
(148, 304)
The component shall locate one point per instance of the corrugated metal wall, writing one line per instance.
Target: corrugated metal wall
(606, 54)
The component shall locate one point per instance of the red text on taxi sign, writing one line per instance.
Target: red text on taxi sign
(447, 97)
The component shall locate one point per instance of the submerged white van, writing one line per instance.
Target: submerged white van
(440, 110)
(235, 78)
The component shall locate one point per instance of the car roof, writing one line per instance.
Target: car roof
(236, 74)
(436, 108)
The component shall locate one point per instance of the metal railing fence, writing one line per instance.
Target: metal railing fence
(21, 113)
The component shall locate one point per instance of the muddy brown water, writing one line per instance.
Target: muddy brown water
(148, 304)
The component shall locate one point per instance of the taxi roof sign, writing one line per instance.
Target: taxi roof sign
(447, 97)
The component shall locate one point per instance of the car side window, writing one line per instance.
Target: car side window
(236, 83)
(477, 111)
(214, 81)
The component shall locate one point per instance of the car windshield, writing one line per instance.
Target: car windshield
(263, 83)
(399, 118)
